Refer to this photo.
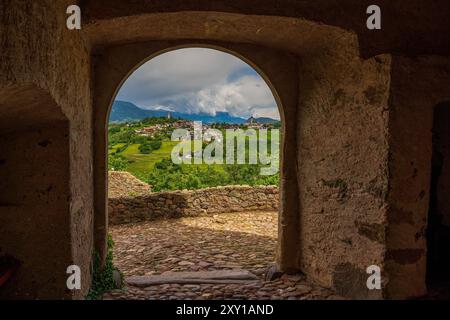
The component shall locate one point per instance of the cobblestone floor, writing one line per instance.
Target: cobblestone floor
(220, 242)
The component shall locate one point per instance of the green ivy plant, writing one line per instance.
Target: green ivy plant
(103, 278)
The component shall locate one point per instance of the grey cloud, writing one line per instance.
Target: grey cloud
(195, 80)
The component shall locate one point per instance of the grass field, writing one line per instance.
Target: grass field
(127, 150)
(115, 147)
(142, 164)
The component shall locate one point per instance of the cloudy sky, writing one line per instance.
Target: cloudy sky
(198, 80)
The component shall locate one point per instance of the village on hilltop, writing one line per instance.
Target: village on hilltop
(152, 130)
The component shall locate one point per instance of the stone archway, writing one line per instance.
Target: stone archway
(277, 69)
(335, 176)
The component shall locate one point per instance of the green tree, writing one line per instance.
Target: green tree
(117, 163)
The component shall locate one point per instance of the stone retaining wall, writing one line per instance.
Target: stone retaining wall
(177, 204)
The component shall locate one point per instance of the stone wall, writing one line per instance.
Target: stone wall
(342, 160)
(411, 105)
(124, 184)
(46, 109)
(177, 204)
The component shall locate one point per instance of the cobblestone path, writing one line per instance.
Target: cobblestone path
(220, 242)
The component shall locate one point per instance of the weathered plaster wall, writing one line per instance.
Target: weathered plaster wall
(417, 86)
(299, 36)
(414, 26)
(34, 219)
(176, 204)
(342, 160)
(37, 49)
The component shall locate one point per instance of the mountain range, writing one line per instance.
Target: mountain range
(123, 111)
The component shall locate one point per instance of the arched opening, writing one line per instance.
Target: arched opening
(234, 204)
(438, 229)
(271, 112)
(114, 65)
